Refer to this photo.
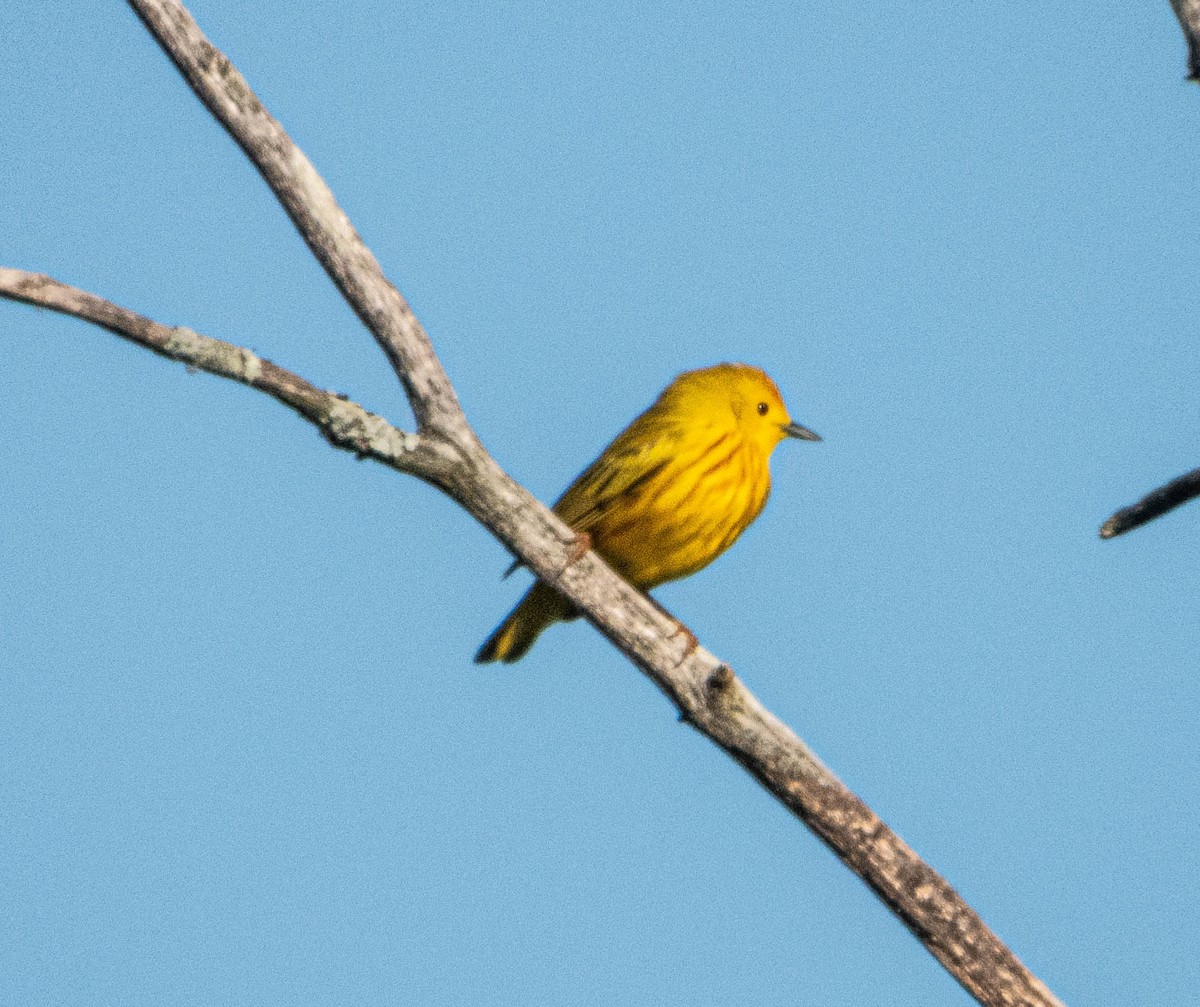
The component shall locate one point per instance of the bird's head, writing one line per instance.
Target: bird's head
(739, 397)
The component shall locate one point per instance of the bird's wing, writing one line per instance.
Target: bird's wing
(631, 461)
(638, 454)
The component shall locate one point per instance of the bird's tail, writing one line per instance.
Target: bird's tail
(541, 607)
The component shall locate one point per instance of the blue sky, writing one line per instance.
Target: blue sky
(244, 756)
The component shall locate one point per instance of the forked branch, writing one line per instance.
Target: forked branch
(315, 212)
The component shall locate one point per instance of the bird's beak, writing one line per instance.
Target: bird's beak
(799, 432)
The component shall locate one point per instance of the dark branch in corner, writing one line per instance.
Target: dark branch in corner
(1188, 12)
(1186, 487)
(1152, 505)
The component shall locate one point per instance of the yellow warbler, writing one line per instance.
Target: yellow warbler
(670, 494)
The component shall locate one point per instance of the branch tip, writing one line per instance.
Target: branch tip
(1153, 505)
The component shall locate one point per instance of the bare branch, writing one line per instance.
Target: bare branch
(1188, 12)
(345, 424)
(707, 693)
(1153, 504)
(314, 211)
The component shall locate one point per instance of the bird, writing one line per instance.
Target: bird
(670, 494)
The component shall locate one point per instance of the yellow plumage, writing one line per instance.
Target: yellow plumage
(671, 493)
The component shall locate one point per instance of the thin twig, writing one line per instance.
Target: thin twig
(345, 424)
(1153, 504)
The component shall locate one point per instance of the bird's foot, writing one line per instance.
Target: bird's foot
(579, 548)
(582, 543)
(690, 643)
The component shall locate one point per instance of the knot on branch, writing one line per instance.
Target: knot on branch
(719, 681)
(715, 695)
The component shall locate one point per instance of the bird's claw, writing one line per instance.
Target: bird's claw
(582, 543)
(690, 643)
(579, 548)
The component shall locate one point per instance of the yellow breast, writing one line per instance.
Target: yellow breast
(692, 509)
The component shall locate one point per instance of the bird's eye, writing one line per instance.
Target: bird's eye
(762, 409)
